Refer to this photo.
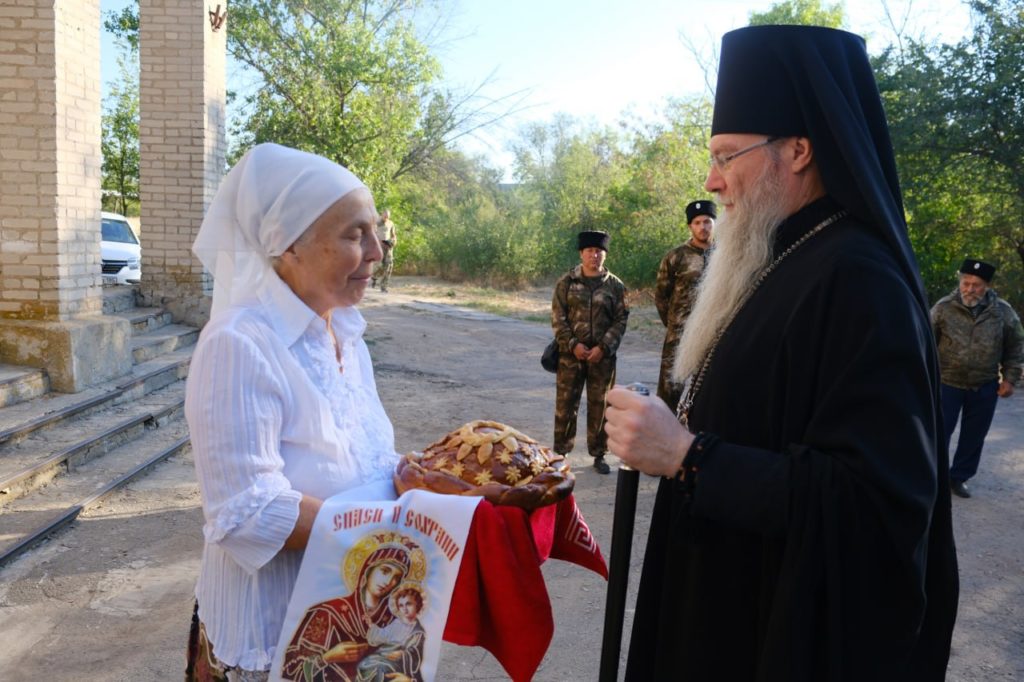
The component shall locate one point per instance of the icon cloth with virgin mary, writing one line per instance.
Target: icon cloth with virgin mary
(382, 615)
(332, 638)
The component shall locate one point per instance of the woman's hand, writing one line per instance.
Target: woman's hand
(581, 352)
(644, 433)
(346, 652)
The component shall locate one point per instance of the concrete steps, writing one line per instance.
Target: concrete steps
(20, 420)
(61, 453)
(145, 319)
(18, 384)
(156, 342)
(45, 455)
(37, 515)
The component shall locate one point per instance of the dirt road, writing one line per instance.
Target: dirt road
(111, 598)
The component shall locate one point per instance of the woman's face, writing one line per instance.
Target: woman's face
(383, 578)
(330, 265)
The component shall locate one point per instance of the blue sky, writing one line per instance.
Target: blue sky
(596, 59)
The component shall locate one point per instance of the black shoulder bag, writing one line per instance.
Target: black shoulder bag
(549, 358)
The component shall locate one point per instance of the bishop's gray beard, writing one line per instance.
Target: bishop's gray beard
(742, 248)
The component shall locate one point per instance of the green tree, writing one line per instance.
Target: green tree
(120, 138)
(633, 181)
(458, 222)
(124, 24)
(342, 78)
(566, 172)
(348, 79)
(667, 165)
(801, 13)
(956, 113)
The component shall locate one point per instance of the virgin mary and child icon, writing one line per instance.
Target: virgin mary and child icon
(373, 633)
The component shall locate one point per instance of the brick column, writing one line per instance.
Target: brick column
(182, 147)
(50, 294)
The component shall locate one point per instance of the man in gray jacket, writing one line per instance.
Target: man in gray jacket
(981, 353)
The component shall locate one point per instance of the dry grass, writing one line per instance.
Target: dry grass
(532, 304)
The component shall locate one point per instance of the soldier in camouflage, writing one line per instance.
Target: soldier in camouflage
(676, 290)
(388, 239)
(588, 315)
(981, 354)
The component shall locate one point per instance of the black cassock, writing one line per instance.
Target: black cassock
(815, 542)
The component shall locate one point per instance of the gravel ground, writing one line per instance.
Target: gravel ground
(111, 598)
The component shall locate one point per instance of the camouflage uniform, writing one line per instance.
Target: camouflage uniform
(975, 347)
(973, 350)
(674, 295)
(388, 238)
(591, 311)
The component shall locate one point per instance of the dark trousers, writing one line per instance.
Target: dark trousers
(572, 376)
(978, 405)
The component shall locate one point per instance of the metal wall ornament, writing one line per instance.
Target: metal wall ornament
(217, 18)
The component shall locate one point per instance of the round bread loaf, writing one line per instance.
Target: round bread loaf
(488, 459)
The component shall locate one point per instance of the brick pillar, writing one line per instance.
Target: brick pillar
(182, 147)
(50, 294)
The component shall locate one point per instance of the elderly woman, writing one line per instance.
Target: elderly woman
(281, 401)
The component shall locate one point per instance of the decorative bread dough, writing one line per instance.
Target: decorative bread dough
(491, 460)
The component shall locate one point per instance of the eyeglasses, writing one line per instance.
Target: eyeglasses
(721, 163)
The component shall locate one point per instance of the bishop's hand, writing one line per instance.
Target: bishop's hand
(644, 433)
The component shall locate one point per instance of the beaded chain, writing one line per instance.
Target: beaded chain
(693, 383)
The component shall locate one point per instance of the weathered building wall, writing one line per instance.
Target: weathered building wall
(50, 293)
(51, 297)
(183, 148)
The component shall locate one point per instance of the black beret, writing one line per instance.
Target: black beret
(978, 268)
(696, 208)
(593, 238)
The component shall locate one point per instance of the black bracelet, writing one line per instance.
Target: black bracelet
(702, 443)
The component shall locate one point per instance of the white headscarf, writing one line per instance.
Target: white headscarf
(265, 203)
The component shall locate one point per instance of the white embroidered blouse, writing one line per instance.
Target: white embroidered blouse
(271, 418)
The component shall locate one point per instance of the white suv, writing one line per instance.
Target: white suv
(120, 251)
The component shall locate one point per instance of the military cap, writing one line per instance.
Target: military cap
(590, 238)
(696, 208)
(978, 268)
